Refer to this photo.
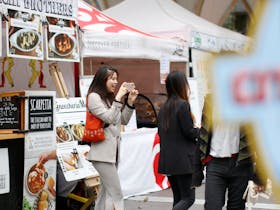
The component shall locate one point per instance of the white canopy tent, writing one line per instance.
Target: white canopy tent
(166, 18)
(137, 55)
(106, 37)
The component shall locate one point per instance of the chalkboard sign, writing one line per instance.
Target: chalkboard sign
(40, 113)
(9, 113)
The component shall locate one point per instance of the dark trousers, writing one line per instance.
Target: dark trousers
(62, 203)
(183, 194)
(225, 174)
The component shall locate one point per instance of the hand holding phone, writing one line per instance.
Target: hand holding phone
(129, 86)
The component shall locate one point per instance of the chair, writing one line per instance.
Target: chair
(146, 114)
(91, 184)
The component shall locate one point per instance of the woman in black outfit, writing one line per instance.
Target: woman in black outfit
(178, 140)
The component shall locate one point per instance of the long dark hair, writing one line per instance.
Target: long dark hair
(98, 84)
(177, 88)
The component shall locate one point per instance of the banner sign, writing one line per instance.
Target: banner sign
(56, 8)
(24, 35)
(39, 178)
(62, 40)
(40, 113)
(211, 43)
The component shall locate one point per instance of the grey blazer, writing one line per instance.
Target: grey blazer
(107, 150)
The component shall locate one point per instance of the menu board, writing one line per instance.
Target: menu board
(24, 35)
(40, 113)
(72, 159)
(9, 113)
(71, 115)
(62, 40)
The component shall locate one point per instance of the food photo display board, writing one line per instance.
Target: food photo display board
(71, 114)
(62, 40)
(39, 185)
(24, 35)
(72, 159)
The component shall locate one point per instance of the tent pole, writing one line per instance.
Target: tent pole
(81, 66)
(190, 63)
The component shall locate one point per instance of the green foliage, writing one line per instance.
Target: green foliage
(230, 22)
(26, 204)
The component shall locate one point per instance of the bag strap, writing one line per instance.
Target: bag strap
(105, 125)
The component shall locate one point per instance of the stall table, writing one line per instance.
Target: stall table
(138, 163)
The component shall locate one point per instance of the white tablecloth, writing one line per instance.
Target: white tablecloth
(138, 163)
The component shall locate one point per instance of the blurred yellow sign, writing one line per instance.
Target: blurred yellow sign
(246, 88)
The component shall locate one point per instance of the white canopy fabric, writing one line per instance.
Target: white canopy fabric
(106, 37)
(166, 18)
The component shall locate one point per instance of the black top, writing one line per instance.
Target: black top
(178, 142)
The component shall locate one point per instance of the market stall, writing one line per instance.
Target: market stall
(35, 37)
(40, 68)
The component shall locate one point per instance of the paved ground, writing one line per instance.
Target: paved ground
(163, 201)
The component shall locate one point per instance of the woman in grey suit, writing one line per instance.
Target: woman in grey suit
(177, 140)
(107, 106)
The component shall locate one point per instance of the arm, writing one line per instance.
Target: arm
(47, 156)
(186, 122)
(97, 107)
(126, 114)
(205, 130)
(129, 107)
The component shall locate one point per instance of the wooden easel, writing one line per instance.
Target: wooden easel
(58, 80)
(90, 182)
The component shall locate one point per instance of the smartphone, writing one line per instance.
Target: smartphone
(129, 86)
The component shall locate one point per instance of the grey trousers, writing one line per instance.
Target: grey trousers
(110, 194)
